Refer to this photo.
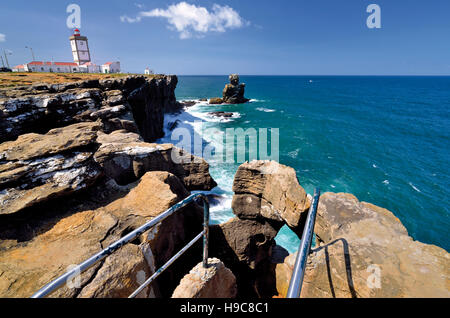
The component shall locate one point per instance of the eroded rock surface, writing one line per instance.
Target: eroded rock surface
(216, 281)
(215, 101)
(233, 93)
(159, 95)
(125, 158)
(267, 196)
(221, 114)
(77, 174)
(36, 168)
(133, 103)
(365, 251)
(75, 233)
(269, 190)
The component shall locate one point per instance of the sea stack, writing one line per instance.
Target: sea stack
(233, 93)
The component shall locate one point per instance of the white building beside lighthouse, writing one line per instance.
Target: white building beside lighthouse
(111, 67)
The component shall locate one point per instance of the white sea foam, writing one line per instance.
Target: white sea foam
(266, 110)
(414, 187)
(195, 119)
(215, 119)
(198, 110)
(294, 154)
(223, 204)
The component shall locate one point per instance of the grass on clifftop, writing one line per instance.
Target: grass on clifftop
(12, 79)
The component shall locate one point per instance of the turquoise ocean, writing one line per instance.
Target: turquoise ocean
(384, 139)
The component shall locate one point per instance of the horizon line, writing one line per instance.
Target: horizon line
(348, 75)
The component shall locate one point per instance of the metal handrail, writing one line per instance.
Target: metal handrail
(57, 283)
(295, 285)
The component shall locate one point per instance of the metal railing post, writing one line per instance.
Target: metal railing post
(57, 283)
(205, 231)
(295, 285)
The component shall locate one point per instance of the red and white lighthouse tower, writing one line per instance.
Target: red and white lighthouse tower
(80, 48)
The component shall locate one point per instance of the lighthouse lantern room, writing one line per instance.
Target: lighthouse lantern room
(80, 48)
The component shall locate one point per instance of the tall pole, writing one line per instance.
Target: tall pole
(3, 62)
(32, 53)
(6, 58)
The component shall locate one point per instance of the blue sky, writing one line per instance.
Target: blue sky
(320, 37)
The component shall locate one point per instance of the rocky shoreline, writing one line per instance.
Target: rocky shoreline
(79, 169)
(365, 251)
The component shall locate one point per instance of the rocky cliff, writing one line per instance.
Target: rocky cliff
(216, 281)
(362, 251)
(365, 251)
(78, 170)
(267, 196)
(133, 103)
(233, 93)
(77, 173)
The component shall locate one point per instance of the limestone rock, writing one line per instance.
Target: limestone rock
(118, 137)
(28, 266)
(58, 140)
(267, 196)
(114, 97)
(126, 160)
(149, 102)
(365, 251)
(121, 274)
(245, 246)
(216, 281)
(39, 113)
(233, 93)
(216, 101)
(36, 168)
(116, 102)
(187, 103)
(249, 240)
(269, 190)
(109, 112)
(125, 84)
(221, 114)
(283, 273)
(33, 254)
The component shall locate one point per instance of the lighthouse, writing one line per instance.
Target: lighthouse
(80, 48)
(81, 57)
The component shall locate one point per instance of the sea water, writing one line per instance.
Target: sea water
(384, 139)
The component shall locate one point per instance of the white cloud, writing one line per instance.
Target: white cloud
(189, 20)
(125, 18)
(2, 37)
